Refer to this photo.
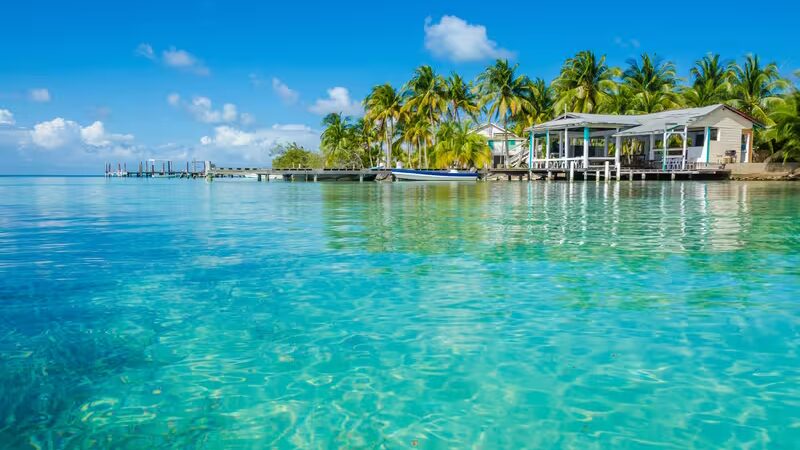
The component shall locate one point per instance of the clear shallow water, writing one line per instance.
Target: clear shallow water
(183, 314)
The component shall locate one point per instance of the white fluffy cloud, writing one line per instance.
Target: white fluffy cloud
(288, 95)
(182, 59)
(60, 133)
(254, 145)
(202, 109)
(338, 101)
(55, 133)
(455, 39)
(175, 58)
(40, 95)
(96, 136)
(6, 118)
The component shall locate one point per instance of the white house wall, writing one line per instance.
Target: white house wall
(729, 134)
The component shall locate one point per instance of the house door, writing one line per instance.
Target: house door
(747, 145)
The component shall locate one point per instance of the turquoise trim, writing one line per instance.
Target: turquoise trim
(547, 145)
(707, 145)
(585, 143)
(530, 152)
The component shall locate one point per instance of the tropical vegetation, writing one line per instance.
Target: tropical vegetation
(428, 121)
(293, 156)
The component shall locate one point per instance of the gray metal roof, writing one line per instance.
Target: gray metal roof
(632, 124)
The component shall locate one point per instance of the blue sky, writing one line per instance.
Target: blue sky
(82, 83)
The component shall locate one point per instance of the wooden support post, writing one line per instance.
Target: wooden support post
(685, 146)
(643, 176)
(607, 173)
(596, 176)
(315, 178)
(630, 172)
(361, 178)
(571, 170)
(547, 150)
(673, 176)
(258, 177)
(549, 175)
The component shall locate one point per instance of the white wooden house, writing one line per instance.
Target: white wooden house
(671, 140)
(496, 135)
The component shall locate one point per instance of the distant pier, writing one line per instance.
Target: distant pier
(155, 168)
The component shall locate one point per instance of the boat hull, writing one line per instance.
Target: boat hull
(432, 175)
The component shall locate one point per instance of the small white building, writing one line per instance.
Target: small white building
(671, 140)
(496, 134)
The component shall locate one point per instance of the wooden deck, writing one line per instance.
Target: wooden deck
(599, 173)
(515, 173)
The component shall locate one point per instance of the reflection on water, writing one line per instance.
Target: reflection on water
(659, 218)
(173, 313)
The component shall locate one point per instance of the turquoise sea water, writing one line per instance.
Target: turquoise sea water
(235, 314)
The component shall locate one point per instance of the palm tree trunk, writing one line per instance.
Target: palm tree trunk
(433, 128)
(388, 149)
(505, 142)
(425, 150)
(408, 154)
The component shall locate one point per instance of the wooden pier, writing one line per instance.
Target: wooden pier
(158, 169)
(607, 173)
(204, 169)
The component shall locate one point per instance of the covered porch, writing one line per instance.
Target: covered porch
(620, 142)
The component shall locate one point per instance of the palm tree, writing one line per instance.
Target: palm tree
(542, 101)
(336, 138)
(585, 83)
(621, 100)
(366, 134)
(460, 97)
(711, 84)
(504, 92)
(652, 84)
(384, 104)
(419, 134)
(757, 89)
(456, 145)
(426, 96)
(784, 137)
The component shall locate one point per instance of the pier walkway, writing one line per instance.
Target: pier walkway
(598, 172)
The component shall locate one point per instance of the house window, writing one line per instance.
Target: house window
(714, 134)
